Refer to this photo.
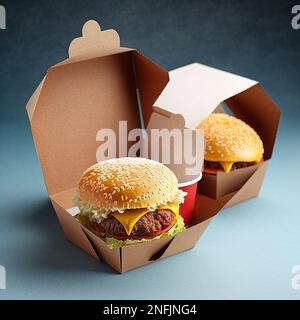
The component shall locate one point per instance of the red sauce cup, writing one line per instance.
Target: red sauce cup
(187, 208)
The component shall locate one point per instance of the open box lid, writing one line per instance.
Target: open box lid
(197, 90)
(99, 84)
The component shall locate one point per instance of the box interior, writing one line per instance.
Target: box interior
(66, 140)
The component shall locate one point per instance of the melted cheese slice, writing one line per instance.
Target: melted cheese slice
(131, 216)
(226, 165)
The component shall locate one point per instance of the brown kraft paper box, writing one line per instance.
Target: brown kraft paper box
(207, 90)
(99, 85)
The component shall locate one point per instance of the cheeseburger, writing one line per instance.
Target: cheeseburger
(230, 143)
(129, 200)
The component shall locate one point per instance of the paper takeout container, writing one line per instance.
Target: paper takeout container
(100, 84)
(196, 91)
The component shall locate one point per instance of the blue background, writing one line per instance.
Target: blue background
(248, 251)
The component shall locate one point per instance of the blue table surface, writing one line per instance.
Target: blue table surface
(247, 252)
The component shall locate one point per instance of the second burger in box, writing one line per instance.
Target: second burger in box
(230, 144)
(239, 145)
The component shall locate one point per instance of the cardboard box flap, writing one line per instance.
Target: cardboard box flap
(186, 158)
(105, 254)
(80, 235)
(103, 90)
(196, 90)
(208, 87)
(94, 42)
(251, 188)
(73, 230)
(183, 241)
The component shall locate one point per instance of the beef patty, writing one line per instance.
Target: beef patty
(150, 225)
(236, 165)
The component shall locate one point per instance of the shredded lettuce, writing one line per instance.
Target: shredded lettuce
(97, 214)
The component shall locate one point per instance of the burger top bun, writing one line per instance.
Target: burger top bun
(230, 139)
(128, 183)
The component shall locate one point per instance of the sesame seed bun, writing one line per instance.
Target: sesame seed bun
(128, 183)
(230, 139)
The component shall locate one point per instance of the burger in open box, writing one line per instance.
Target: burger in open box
(130, 200)
(230, 144)
(196, 91)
